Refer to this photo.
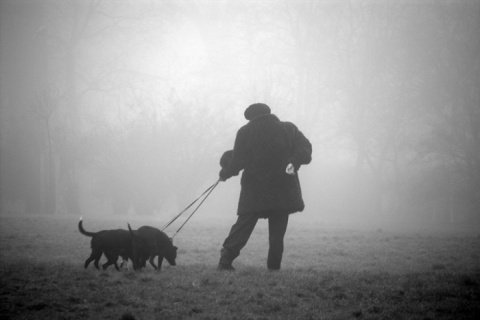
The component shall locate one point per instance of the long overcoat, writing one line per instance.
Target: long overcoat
(263, 148)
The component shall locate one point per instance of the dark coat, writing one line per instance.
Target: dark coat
(263, 149)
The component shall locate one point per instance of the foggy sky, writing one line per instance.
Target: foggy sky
(133, 102)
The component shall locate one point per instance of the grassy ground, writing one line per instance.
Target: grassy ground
(328, 273)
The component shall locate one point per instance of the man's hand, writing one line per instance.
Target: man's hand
(290, 169)
(223, 176)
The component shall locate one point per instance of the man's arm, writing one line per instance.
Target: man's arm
(302, 149)
(240, 157)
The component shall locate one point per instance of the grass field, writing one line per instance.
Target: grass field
(329, 272)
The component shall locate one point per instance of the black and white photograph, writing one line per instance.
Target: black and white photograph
(240, 159)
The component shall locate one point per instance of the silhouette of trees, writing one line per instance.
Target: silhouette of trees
(151, 93)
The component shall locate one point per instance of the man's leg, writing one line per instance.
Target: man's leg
(236, 240)
(277, 226)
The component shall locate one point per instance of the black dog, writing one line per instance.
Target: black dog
(112, 243)
(151, 242)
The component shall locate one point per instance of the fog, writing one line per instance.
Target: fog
(116, 108)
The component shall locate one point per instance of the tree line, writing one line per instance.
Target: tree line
(123, 102)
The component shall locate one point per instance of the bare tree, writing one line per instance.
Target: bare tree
(72, 26)
(44, 108)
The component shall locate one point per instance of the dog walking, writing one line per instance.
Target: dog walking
(270, 153)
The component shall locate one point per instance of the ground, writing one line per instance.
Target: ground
(329, 272)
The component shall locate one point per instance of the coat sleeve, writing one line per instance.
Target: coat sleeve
(240, 157)
(301, 149)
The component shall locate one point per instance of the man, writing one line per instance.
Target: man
(270, 153)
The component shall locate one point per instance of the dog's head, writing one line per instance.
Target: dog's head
(171, 256)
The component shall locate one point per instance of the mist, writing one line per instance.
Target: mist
(118, 108)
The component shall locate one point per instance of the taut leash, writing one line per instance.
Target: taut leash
(208, 191)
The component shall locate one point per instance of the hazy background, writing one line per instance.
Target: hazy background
(125, 107)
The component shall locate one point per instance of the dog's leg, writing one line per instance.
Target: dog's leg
(152, 262)
(115, 258)
(112, 258)
(98, 255)
(142, 259)
(95, 255)
(109, 263)
(106, 265)
(87, 262)
(97, 260)
(160, 261)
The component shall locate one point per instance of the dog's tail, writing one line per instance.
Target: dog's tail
(83, 231)
(132, 233)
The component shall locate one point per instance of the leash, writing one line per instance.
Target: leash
(207, 192)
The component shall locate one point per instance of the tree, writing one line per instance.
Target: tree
(23, 71)
(73, 26)
(44, 108)
(454, 118)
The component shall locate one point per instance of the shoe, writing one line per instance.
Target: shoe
(225, 267)
(225, 262)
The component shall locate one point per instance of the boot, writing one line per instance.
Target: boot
(274, 260)
(225, 262)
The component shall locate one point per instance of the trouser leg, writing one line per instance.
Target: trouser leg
(237, 239)
(277, 226)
